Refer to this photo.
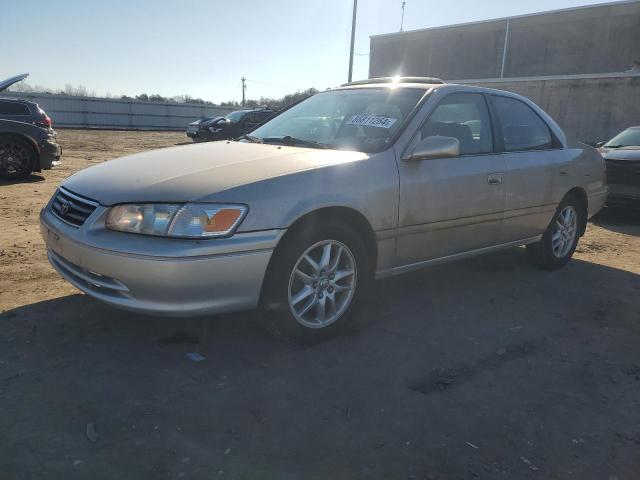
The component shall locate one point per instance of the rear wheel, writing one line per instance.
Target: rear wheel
(560, 239)
(17, 158)
(317, 280)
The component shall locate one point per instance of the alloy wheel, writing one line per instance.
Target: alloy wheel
(14, 159)
(564, 233)
(322, 284)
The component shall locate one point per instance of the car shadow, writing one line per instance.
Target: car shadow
(33, 178)
(620, 220)
(491, 323)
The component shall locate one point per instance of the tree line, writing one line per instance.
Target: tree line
(81, 91)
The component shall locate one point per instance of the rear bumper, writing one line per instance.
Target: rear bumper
(227, 277)
(50, 153)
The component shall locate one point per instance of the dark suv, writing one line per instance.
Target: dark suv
(27, 141)
(232, 126)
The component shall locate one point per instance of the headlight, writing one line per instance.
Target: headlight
(191, 220)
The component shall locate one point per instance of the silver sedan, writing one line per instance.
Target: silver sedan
(365, 181)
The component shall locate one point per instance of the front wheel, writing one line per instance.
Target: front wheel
(316, 283)
(560, 239)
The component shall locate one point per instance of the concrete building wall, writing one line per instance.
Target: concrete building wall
(93, 112)
(588, 108)
(597, 39)
(570, 62)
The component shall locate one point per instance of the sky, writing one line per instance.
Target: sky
(203, 48)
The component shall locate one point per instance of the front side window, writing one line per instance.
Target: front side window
(463, 116)
(361, 119)
(522, 128)
(235, 117)
(629, 138)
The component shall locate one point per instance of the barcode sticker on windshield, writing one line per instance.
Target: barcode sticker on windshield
(372, 121)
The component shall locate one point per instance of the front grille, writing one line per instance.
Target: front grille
(71, 208)
(623, 172)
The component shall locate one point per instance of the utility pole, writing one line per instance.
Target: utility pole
(353, 38)
(402, 18)
(244, 87)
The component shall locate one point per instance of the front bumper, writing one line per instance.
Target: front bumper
(627, 196)
(160, 276)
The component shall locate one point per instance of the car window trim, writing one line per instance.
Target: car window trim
(556, 144)
(466, 155)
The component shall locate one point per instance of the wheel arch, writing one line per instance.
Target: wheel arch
(29, 140)
(580, 194)
(346, 215)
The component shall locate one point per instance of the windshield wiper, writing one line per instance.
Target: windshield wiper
(251, 138)
(614, 146)
(291, 141)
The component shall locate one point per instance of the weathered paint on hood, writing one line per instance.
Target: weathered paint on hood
(189, 173)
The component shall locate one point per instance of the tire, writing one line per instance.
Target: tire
(305, 303)
(17, 158)
(560, 239)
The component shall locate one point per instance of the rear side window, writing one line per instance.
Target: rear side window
(522, 128)
(13, 108)
(463, 116)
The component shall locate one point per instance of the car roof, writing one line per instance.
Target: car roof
(18, 100)
(394, 80)
(423, 83)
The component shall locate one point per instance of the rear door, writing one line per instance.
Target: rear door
(534, 161)
(17, 111)
(452, 205)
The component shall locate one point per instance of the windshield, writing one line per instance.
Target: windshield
(236, 116)
(629, 138)
(356, 119)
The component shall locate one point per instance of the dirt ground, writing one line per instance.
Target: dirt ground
(486, 368)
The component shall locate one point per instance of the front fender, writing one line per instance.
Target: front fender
(369, 186)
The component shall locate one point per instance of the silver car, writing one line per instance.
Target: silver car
(365, 181)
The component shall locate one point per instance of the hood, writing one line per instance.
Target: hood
(204, 120)
(4, 84)
(211, 121)
(622, 153)
(193, 172)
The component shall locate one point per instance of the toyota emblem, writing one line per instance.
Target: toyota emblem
(64, 208)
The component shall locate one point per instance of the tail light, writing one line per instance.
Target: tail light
(45, 121)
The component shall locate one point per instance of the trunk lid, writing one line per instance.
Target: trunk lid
(4, 84)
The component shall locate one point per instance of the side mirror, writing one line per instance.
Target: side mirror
(434, 147)
(600, 144)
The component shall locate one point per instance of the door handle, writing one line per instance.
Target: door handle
(494, 179)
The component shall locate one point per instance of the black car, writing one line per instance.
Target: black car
(27, 141)
(192, 128)
(622, 157)
(231, 126)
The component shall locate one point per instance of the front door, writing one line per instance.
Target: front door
(452, 205)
